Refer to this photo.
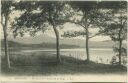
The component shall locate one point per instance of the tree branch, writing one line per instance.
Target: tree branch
(96, 34)
(76, 23)
(2, 21)
(124, 22)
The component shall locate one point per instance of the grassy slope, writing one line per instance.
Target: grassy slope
(42, 63)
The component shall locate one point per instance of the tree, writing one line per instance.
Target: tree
(6, 9)
(88, 9)
(40, 15)
(115, 24)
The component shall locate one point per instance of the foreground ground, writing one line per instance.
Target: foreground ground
(42, 63)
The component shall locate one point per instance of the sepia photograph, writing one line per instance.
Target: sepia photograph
(63, 40)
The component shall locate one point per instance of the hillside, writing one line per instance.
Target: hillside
(42, 45)
(44, 40)
(63, 44)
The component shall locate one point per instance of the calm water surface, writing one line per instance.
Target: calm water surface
(99, 55)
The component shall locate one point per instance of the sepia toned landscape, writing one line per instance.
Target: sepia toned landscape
(50, 38)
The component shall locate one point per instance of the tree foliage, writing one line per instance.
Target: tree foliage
(39, 15)
(115, 25)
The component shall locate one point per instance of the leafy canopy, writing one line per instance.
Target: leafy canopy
(38, 15)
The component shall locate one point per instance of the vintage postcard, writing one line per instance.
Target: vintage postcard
(63, 41)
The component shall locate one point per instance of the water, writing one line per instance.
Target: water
(99, 55)
(96, 54)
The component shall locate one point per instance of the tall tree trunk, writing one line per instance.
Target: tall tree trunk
(5, 42)
(120, 39)
(120, 52)
(87, 36)
(120, 45)
(57, 37)
(87, 47)
(57, 44)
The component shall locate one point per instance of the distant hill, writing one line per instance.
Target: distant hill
(48, 42)
(33, 40)
(41, 45)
